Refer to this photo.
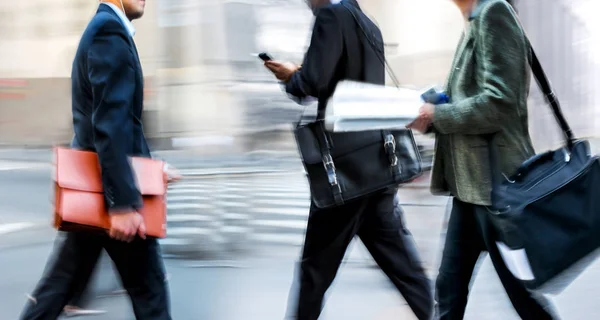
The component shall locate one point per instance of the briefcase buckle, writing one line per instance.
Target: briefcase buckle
(390, 148)
(330, 169)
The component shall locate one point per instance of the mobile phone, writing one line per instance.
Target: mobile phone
(430, 96)
(265, 56)
(434, 97)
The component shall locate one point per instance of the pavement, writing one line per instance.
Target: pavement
(253, 284)
(257, 287)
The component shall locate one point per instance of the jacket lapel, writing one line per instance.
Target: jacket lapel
(106, 8)
(465, 39)
(132, 47)
(352, 3)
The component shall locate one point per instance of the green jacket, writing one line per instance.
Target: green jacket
(488, 86)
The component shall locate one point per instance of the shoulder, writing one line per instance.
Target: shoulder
(497, 17)
(495, 10)
(328, 14)
(104, 23)
(337, 12)
(350, 17)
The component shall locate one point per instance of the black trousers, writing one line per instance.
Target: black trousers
(470, 233)
(378, 221)
(139, 264)
(86, 289)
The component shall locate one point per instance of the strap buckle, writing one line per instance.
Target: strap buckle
(390, 149)
(330, 169)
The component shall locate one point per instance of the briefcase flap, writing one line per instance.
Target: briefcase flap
(80, 170)
(342, 142)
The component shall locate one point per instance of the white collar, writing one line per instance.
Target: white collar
(128, 25)
(335, 1)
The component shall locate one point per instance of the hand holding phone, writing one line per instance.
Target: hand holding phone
(434, 97)
(265, 56)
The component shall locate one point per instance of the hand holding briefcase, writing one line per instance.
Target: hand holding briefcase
(79, 198)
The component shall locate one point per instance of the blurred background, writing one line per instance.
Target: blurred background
(236, 222)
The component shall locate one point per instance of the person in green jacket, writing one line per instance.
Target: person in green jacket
(488, 87)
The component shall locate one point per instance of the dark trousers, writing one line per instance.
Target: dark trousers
(470, 233)
(97, 281)
(139, 264)
(378, 221)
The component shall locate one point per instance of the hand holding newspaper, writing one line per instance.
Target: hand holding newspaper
(357, 106)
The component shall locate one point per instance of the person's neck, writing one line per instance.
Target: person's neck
(118, 4)
(466, 7)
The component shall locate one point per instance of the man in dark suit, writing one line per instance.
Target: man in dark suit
(340, 50)
(107, 98)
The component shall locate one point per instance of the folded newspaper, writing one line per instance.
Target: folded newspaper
(357, 106)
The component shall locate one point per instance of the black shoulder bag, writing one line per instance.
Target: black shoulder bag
(548, 211)
(343, 166)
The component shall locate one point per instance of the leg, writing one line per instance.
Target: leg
(462, 249)
(384, 234)
(527, 306)
(328, 234)
(81, 293)
(71, 265)
(87, 289)
(143, 275)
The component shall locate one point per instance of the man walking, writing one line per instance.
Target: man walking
(340, 50)
(107, 97)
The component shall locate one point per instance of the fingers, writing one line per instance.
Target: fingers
(418, 124)
(125, 235)
(273, 66)
(173, 176)
(272, 63)
(127, 230)
(142, 230)
(413, 124)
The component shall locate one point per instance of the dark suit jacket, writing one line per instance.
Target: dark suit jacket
(338, 50)
(107, 97)
(488, 86)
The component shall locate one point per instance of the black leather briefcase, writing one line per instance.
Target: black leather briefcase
(343, 166)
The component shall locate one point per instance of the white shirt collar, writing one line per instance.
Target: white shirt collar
(119, 12)
(335, 1)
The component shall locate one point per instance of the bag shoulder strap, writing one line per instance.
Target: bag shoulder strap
(380, 55)
(550, 97)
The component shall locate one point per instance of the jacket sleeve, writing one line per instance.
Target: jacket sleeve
(315, 78)
(501, 55)
(112, 79)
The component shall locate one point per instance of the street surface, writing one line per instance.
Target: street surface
(252, 283)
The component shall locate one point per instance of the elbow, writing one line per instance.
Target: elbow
(491, 118)
(111, 141)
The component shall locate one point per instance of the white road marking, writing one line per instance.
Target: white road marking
(13, 227)
(15, 165)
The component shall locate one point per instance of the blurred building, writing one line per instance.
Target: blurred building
(38, 40)
(206, 90)
(566, 37)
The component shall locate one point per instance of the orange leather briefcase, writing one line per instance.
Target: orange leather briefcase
(79, 199)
